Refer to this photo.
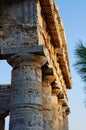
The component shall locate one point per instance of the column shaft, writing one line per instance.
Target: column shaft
(26, 93)
(66, 111)
(60, 116)
(55, 112)
(65, 123)
(47, 106)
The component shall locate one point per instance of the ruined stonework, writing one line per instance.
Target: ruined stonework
(33, 42)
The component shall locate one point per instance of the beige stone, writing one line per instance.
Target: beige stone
(32, 40)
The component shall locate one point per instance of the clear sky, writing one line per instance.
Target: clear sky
(73, 15)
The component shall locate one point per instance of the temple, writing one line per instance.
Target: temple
(33, 42)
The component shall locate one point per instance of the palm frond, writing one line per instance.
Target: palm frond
(80, 65)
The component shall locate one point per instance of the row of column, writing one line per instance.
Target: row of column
(55, 110)
(32, 104)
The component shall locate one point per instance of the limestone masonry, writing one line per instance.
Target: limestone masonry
(32, 40)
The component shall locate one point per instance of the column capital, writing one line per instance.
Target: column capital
(61, 98)
(26, 59)
(56, 89)
(67, 111)
(49, 78)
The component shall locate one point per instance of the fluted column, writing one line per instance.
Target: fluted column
(2, 122)
(61, 101)
(55, 112)
(60, 116)
(55, 91)
(66, 111)
(26, 92)
(63, 111)
(65, 123)
(47, 102)
(4, 104)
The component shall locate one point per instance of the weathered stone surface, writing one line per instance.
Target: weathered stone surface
(47, 104)
(55, 112)
(33, 42)
(26, 93)
(4, 99)
(18, 23)
(56, 89)
(65, 118)
(28, 49)
(52, 33)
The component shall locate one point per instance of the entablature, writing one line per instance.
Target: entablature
(56, 31)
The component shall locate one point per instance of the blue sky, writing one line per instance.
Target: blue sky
(73, 15)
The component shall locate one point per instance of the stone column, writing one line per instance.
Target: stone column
(4, 99)
(55, 112)
(55, 91)
(61, 101)
(66, 111)
(65, 123)
(4, 104)
(2, 122)
(60, 116)
(47, 102)
(26, 92)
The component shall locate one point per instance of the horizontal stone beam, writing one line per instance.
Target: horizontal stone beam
(4, 99)
(36, 49)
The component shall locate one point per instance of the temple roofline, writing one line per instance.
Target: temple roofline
(57, 33)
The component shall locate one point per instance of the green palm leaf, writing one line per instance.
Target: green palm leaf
(80, 65)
